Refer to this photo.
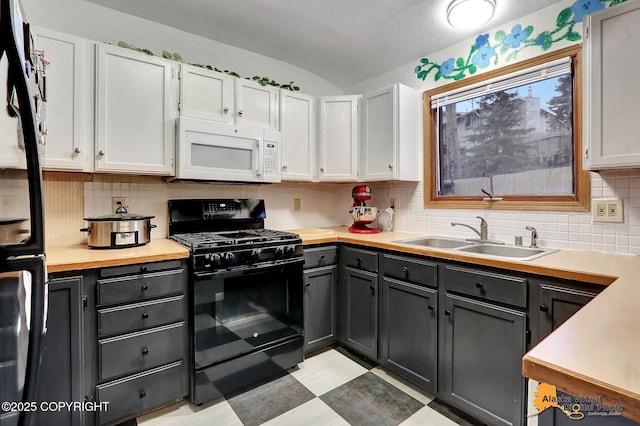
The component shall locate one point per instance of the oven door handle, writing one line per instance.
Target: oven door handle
(253, 269)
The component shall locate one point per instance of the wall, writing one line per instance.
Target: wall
(558, 230)
(94, 22)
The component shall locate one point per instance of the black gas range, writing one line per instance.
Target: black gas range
(245, 294)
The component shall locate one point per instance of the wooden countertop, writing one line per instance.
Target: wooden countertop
(597, 351)
(72, 258)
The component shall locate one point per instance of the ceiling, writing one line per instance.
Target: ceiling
(342, 41)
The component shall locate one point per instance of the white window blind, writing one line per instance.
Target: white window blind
(505, 82)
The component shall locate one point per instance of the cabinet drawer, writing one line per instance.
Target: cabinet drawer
(128, 318)
(141, 268)
(140, 287)
(487, 285)
(141, 392)
(320, 256)
(412, 270)
(361, 259)
(139, 351)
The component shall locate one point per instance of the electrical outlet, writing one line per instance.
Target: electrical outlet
(117, 202)
(394, 203)
(607, 210)
(297, 205)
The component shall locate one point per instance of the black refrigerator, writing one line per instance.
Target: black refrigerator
(22, 259)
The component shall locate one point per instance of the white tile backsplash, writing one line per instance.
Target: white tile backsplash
(555, 229)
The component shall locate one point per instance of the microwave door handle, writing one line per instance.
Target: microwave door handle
(258, 165)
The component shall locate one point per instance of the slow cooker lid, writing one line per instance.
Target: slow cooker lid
(118, 217)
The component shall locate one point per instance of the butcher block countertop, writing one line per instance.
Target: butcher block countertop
(73, 258)
(597, 351)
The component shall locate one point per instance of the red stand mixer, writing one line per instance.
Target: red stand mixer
(361, 213)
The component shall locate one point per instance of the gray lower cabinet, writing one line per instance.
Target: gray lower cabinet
(320, 296)
(482, 343)
(141, 346)
(408, 319)
(359, 295)
(62, 359)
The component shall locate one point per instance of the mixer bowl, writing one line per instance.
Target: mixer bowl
(363, 214)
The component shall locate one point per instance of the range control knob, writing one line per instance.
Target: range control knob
(214, 259)
(255, 254)
(278, 251)
(289, 250)
(229, 258)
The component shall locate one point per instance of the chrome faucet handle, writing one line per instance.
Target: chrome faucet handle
(484, 228)
(534, 236)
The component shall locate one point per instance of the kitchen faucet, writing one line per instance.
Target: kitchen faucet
(483, 233)
(534, 236)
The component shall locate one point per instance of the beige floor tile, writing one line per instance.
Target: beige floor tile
(428, 416)
(218, 412)
(326, 371)
(403, 385)
(314, 412)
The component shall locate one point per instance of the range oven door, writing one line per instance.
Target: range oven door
(247, 325)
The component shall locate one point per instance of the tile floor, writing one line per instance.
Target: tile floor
(333, 387)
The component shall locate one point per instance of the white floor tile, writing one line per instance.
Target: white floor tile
(217, 412)
(428, 416)
(327, 371)
(403, 385)
(314, 412)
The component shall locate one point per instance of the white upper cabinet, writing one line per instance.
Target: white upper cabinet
(338, 145)
(68, 141)
(298, 127)
(10, 155)
(136, 107)
(611, 93)
(213, 95)
(392, 139)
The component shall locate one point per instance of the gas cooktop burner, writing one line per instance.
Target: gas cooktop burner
(212, 240)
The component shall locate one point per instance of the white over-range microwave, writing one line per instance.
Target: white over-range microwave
(207, 150)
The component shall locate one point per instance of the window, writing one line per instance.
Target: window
(509, 139)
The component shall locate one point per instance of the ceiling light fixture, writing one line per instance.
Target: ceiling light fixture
(467, 14)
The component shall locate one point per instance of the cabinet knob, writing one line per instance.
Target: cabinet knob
(390, 166)
(225, 110)
(373, 290)
(240, 113)
(101, 153)
(544, 308)
(358, 261)
(77, 150)
(144, 287)
(307, 284)
(145, 315)
(284, 167)
(322, 169)
(144, 351)
(405, 270)
(142, 393)
(447, 313)
(322, 256)
(143, 269)
(431, 307)
(479, 286)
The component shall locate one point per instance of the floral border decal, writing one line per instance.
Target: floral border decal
(506, 46)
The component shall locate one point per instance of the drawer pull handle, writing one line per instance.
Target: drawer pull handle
(142, 393)
(145, 315)
(431, 307)
(544, 308)
(358, 261)
(447, 313)
(373, 290)
(322, 257)
(143, 269)
(144, 351)
(405, 270)
(479, 285)
(144, 287)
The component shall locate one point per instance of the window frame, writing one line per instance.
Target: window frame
(580, 201)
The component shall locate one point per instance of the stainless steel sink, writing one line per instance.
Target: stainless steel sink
(513, 252)
(435, 242)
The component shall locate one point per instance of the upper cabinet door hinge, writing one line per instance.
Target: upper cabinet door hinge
(586, 32)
